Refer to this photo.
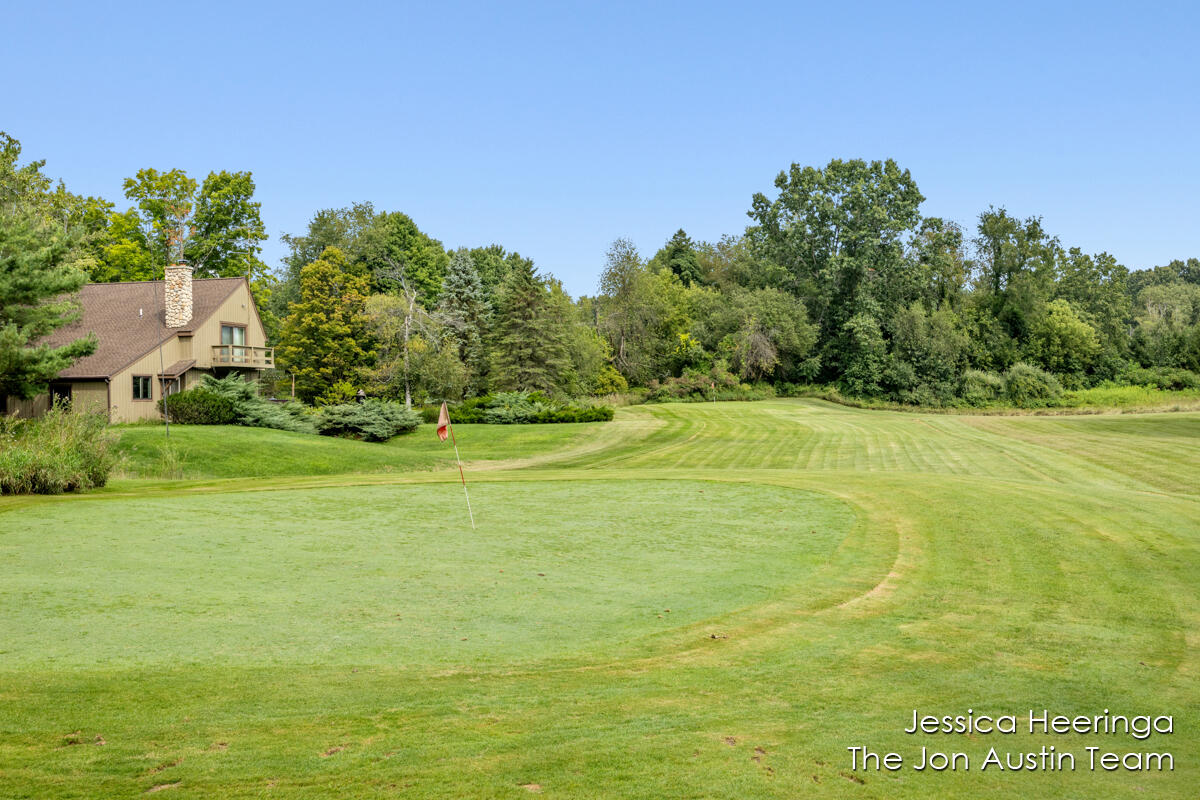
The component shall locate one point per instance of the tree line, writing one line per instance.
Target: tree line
(838, 279)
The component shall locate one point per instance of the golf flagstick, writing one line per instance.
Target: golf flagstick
(444, 426)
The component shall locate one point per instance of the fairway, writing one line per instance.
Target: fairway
(693, 601)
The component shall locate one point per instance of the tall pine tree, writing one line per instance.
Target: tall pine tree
(530, 354)
(38, 273)
(465, 310)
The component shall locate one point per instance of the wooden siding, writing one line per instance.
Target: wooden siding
(34, 407)
(237, 309)
(124, 407)
(89, 395)
(85, 396)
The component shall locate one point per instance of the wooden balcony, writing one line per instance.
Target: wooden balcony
(242, 355)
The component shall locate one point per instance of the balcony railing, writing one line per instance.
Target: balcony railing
(242, 355)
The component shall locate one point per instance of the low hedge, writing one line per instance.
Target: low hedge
(200, 406)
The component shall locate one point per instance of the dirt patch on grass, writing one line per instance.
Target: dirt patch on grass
(162, 786)
(165, 765)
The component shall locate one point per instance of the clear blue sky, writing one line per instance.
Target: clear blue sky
(554, 128)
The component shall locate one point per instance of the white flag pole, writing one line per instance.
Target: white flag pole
(461, 476)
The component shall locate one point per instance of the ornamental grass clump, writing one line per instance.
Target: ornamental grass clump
(61, 451)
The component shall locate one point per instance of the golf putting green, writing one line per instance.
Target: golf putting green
(396, 575)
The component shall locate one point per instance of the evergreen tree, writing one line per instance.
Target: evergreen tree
(34, 275)
(529, 351)
(325, 339)
(679, 255)
(466, 313)
(38, 272)
(493, 263)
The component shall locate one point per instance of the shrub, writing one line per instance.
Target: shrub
(468, 411)
(62, 451)
(255, 411)
(519, 408)
(515, 408)
(718, 383)
(200, 406)
(609, 381)
(981, 388)
(371, 420)
(339, 393)
(923, 395)
(1026, 386)
(1165, 378)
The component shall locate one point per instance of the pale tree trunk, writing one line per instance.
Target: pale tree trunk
(408, 318)
(407, 379)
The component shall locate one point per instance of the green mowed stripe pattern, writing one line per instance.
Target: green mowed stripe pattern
(843, 568)
(395, 575)
(809, 436)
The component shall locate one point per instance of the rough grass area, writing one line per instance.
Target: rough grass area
(1100, 399)
(1147, 398)
(826, 569)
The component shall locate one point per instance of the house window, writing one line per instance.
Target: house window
(143, 387)
(233, 339)
(170, 386)
(233, 334)
(60, 393)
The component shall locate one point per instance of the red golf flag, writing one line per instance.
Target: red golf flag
(443, 422)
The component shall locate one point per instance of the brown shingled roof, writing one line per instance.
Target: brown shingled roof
(111, 311)
(178, 368)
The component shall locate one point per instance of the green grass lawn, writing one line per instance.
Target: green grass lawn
(230, 451)
(826, 569)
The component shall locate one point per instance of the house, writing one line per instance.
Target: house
(205, 326)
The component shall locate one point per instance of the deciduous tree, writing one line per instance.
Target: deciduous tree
(324, 338)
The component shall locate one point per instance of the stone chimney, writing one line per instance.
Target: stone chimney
(179, 295)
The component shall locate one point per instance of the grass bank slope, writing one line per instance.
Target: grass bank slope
(230, 451)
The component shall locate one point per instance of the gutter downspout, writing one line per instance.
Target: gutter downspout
(108, 398)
